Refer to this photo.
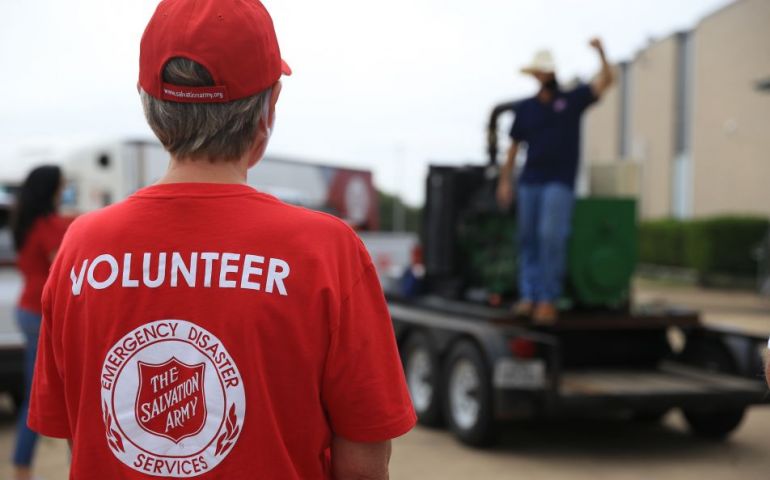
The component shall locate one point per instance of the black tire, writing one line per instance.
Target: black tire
(480, 430)
(428, 411)
(17, 398)
(715, 423)
(649, 416)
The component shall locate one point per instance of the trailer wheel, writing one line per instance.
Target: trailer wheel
(468, 396)
(713, 423)
(422, 377)
(17, 398)
(649, 416)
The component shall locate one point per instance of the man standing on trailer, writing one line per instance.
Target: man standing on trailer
(549, 125)
(202, 329)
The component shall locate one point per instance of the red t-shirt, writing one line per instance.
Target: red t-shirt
(204, 330)
(34, 258)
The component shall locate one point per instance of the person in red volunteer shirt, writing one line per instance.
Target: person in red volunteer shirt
(37, 233)
(202, 329)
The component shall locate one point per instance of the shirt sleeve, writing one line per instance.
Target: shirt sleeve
(517, 129)
(47, 407)
(582, 97)
(364, 390)
(51, 237)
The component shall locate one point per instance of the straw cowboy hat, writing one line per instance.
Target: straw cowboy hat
(542, 63)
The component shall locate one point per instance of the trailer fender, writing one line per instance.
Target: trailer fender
(745, 349)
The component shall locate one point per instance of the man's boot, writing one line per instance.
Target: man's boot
(545, 314)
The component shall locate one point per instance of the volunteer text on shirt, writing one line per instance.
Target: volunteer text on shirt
(177, 269)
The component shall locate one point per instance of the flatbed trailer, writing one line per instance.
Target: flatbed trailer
(473, 367)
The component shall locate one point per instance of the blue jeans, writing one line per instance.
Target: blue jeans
(26, 439)
(544, 225)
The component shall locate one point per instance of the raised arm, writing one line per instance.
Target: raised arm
(360, 461)
(605, 77)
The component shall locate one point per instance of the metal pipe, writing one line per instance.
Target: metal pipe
(492, 140)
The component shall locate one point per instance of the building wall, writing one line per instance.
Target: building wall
(727, 132)
(731, 117)
(652, 92)
(652, 102)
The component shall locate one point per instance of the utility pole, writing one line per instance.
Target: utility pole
(399, 213)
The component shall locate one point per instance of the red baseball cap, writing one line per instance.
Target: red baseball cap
(233, 39)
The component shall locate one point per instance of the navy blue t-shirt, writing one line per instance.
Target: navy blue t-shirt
(552, 134)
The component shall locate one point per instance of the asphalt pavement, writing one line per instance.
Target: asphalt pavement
(572, 450)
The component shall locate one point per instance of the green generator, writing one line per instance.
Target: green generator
(602, 251)
(470, 246)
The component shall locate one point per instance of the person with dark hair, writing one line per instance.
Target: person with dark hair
(201, 328)
(37, 233)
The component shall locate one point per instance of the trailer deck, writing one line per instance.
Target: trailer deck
(648, 317)
(670, 383)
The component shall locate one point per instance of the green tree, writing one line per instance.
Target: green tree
(392, 208)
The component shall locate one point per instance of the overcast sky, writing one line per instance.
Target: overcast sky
(389, 86)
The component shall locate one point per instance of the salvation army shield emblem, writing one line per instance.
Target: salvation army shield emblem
(171, 401)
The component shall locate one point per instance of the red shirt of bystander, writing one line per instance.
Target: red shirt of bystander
(35, 258)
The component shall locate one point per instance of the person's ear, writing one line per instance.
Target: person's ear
(265, 126)
(276, 92)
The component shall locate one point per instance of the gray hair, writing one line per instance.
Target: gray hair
(215, 131)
